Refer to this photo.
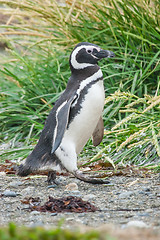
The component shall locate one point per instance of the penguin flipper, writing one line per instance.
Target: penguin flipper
(98, 133)
(62, 117)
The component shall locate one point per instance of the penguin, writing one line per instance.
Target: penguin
(75, 117)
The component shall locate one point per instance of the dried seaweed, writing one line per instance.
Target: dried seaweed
(64, 204)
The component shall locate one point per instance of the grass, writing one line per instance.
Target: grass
(40, 37)
(14, 232)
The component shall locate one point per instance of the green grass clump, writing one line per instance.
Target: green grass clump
(13, 232)
(40, 36)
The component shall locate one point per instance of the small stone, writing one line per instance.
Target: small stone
(82, 214)
(2, 174)
(61, 179)
(53, 214)
(70, 219)
(15, 184)
(101, 216)
(141, 192)
(27, 191)
(38, 223)
(145, 214)
(71, 187)
(145, 192)
(52, 186)
(8, 193)
(89, 197)
(126, 194)
(149, 210)
(76, 193)
(146, 189)
(136, 223)
(34, 213)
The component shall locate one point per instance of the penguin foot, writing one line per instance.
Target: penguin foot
(51, 180)
(90, 179)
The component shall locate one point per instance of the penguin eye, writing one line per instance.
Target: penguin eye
(89, 51)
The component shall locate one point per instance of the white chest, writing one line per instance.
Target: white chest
(83, 125)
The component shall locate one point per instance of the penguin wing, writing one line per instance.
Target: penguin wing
(98, 133)
(62, 116)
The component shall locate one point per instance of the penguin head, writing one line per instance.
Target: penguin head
(87, 54)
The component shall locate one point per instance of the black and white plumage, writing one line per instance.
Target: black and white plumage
(75, 117)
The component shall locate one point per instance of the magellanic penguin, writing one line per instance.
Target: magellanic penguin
(75, 117)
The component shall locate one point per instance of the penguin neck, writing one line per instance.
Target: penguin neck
(81, 74)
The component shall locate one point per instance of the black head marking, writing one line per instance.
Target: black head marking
(86, 55)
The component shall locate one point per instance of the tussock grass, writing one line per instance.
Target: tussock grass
(40, 35)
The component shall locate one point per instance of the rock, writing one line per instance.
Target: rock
(61, 179)
(53, 214)
(2, 174)
(149, 210)
(15, 184)
(71, 187)
(145, 214)
(34, 213)
(126, 194)
(89, 197)
(146, 189)
(136, 223)
(38, 223)
(27, 191)
(75, 193)
(145, 192)
(8, 193)
(52, 186)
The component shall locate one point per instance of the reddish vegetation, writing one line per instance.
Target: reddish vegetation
(65, 204)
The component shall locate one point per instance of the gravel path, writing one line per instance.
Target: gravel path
(126, 201)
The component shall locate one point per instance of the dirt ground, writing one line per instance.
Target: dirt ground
(126, 203)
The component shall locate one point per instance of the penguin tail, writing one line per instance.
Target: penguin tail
(31, 164)
(34, 162)
(23, 170)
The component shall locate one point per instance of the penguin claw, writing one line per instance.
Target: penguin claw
(51, 180)
(90, 179)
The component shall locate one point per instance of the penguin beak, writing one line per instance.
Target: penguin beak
(104, 54)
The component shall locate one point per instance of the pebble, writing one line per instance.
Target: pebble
(8, 193)
(53, 214)
(126, 194)
(145, 214)
(15, 184)
(75, 193)
(61, 179)
(38, 223)
(2, 174)
(71, 187)
(136, 223)
(89, 197)
(145, 192)
(146, 189)
(82, 214)
(149, 210)
(27, 191)
(52, 186)
(34, 213)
